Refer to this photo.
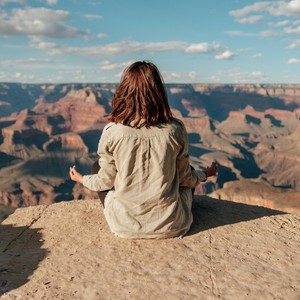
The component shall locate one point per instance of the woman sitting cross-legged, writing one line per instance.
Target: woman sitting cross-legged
(144, 162)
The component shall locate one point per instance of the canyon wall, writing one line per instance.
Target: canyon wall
(251, 130)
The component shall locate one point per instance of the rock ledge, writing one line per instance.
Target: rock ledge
(66, 251)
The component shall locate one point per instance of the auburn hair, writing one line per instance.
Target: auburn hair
(141, 98)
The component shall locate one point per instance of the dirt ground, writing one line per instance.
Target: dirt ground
(233, 251)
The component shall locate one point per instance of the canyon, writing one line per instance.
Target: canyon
(251, 130)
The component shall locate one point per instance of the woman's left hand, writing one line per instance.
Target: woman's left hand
(75, 176)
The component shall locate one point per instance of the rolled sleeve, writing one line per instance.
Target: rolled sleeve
(187, 177)
(105, 178)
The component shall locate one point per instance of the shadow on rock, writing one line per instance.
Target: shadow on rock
(20, 253)
(209, 213)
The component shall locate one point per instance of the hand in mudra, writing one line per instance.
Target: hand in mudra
(212, 170)
(75, 176)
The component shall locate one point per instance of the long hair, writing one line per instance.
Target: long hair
(141, 97)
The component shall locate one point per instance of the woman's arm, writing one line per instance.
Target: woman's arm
(105, 178)
(188, 177)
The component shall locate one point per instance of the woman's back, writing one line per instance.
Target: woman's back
(146, 200)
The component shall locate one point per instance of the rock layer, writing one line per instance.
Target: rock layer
(251, 130)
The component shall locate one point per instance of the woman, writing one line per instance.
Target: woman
(144, 161)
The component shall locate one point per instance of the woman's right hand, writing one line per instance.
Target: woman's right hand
(212, 170)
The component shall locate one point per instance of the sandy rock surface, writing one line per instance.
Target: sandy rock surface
(66, 251)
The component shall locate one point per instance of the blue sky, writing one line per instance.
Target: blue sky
(191, 41)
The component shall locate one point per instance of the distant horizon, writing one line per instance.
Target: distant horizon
(214, 42)
(167, 83)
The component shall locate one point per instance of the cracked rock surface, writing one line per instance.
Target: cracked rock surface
(233, 251)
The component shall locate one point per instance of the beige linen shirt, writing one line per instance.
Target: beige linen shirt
(148, 173)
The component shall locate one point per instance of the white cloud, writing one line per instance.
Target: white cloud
(108, 65)
(40, 43)
(201, 48)
(255, 76)
(294, 61)
(192, 74)
(23, 77)
(274, 8)
(251, 13)
(214, 79)
(125, 47)
(40, 22)
(250, 20)
(253, 8)
(119, 75)
(290, 8)
(291, 30)
(225, 55)
(101, 35)
(219, 52)
(3, 2)
(279, 24)
(170, 75)
(3, 76)
(257, 55)
(92, 17)
(54, 78)
(79, 75)
(239, 76)
(265, 33)
(239, 33)
(29, 78)
(44, 45)
(30, 62)
(294, 44)
(268, 33)
(52, 2)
